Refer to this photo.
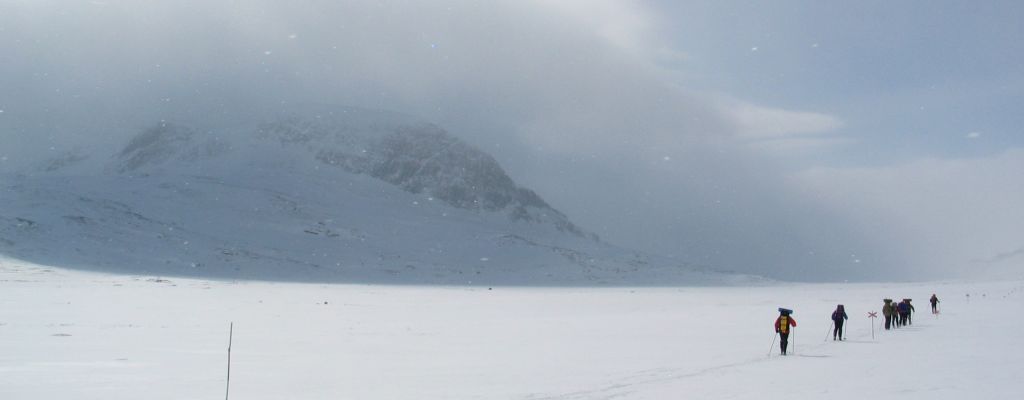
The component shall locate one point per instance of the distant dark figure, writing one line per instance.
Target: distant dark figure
(888, 310)
(935, 304)
(838, 318)
(910, 311)
(782, 327)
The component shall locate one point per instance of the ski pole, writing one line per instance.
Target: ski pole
(773, 344)
(794, 341)
(829, 329)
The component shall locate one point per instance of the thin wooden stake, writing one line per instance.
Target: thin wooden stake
(231, 335)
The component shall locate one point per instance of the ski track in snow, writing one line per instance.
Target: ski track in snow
(626, 385)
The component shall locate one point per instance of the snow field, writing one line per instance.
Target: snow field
(71, 334)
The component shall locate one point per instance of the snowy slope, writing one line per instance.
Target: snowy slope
(342, 196)
(71, 334)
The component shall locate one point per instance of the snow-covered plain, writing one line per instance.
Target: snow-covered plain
(68, 334)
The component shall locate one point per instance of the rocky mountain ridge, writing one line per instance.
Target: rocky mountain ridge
(347, 196)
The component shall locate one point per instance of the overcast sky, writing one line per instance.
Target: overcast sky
(799, 139)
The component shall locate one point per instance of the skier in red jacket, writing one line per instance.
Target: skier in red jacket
(782, 327)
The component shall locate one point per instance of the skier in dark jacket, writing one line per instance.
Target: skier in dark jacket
(782, 327)
(910, 311)
(904, 310)
(838, 318)
(935, 304)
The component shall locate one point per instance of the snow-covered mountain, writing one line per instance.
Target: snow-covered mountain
(343, 195)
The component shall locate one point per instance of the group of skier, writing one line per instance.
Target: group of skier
(896, 314)
(902, 313)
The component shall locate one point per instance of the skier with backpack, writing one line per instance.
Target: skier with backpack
(888, 310)
(783, 326)
(838, 318)
(935, 304)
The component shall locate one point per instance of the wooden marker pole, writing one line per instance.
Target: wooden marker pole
(231, 334)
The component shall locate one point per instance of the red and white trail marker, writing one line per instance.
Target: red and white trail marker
(872, 315)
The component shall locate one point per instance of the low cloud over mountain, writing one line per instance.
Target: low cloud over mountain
(341, 195)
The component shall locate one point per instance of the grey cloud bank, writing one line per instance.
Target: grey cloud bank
(573, 98)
